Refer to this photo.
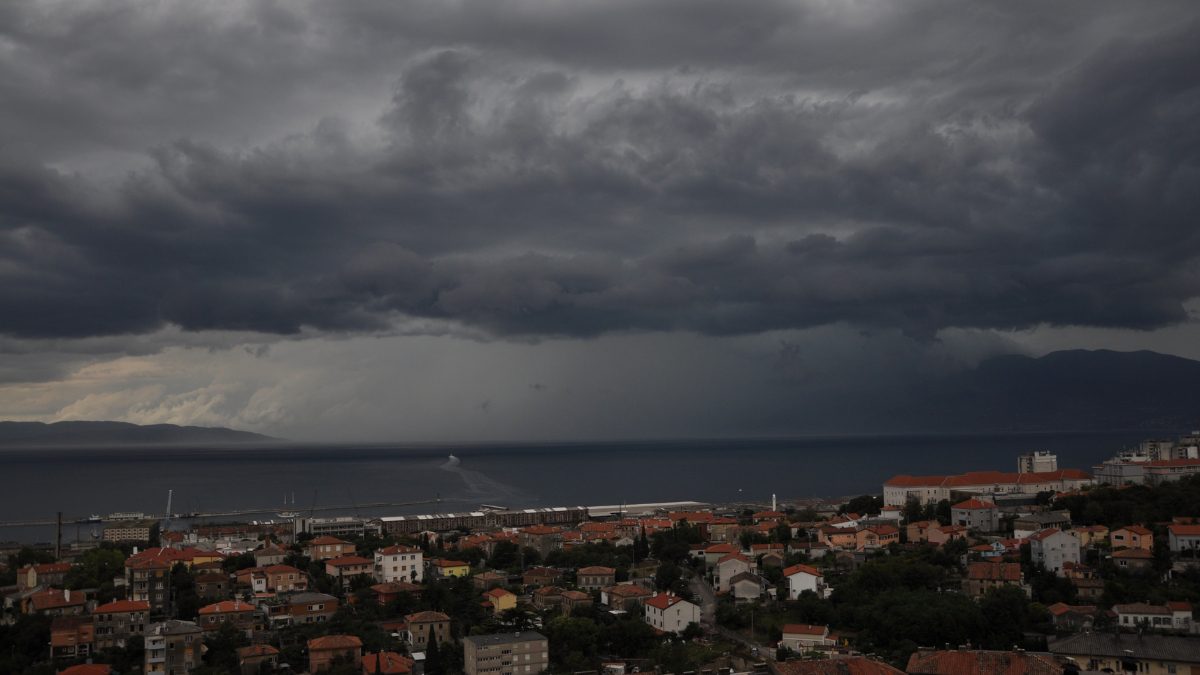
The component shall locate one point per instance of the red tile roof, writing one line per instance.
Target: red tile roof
(796, 569)
(734, 556)
(991, 571)
(663, 600)
(498, 593)
(426, 617)
(386, 662)
(55, 598)
(257, 650)
(629, 591)
(398, 549)
(335, 642)
(227, 606)
(444, 562)
(967, 662)
(986, 478)
(1184, 530)
(120, 606)
(596, 570)
(1044, 534)
(974, 505)
(87, 669)
(542, 530)
(851, 665)
(1135, 529)
(1139, 553)
(721, 548)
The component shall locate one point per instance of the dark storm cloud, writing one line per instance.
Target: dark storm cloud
(529, 170)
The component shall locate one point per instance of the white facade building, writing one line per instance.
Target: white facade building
(1053, 548)
(399, 563)
(1037, 462)
(670, 613)
(802, 578)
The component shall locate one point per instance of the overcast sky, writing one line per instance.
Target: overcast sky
(513, 219)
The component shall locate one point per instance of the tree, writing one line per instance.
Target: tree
(222, 646)
(863, 505)
(433, 658)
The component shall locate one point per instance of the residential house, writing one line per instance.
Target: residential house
(541, 576)
(1072, 618)
(595, 577)
(542, 538)
(1052, 548)
(899, 490)
(845, 520)
(518, 653)
(670, 613)
(940, 535)
(389, 592)
(488, 579)
(802, 637)
(547, 597)
(917, 532)
(241, 614)
(876, 536)
(55, 602)
(147, 579)
(325, 650)
(1088, 589)
(300, 608)
(1132, 536)
(984, 576)
(399, 563)
(118, 621)
(326, 547)
(347, 567)
(45, 575)
(1173, 616)
(173, 647)
(255, 659)
(729, 567)
(1133, 559)
(843, 538)
(772, 559)
(1027, 525)
(426, 627)
(442, 568)
(1091, 535)
(212, 585)
(627, 597)
(723, 530)
(802, 578)
(713, 553)
(575, 599)
(498, 600)
(269, 555)
(976, 514)
(1183, 538)
(747, 587)
(1116, 653)
(72, 637)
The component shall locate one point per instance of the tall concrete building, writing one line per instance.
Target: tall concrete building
(506, 653)
(173, 647)
(1041, 461)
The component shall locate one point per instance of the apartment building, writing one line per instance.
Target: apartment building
(517, 653)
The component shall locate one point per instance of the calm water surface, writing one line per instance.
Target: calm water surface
(34, 484)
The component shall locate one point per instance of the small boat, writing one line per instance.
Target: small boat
(288, 515)
(95, 518)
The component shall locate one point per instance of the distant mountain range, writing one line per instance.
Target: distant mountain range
(1062, 391)
(14, 434)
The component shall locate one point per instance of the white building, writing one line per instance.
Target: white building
(1183, 538)
(899, 490)
(976, 514)
(670, 613)
(1173, 616)
(729, 567)
(802, 578)
(802, 637)
(399, 563)
(1037, 462)
(1052, 548)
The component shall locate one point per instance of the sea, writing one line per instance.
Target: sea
(35, 484)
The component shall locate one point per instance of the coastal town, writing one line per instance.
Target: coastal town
(1043, 569)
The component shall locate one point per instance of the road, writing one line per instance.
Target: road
(708, 617)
